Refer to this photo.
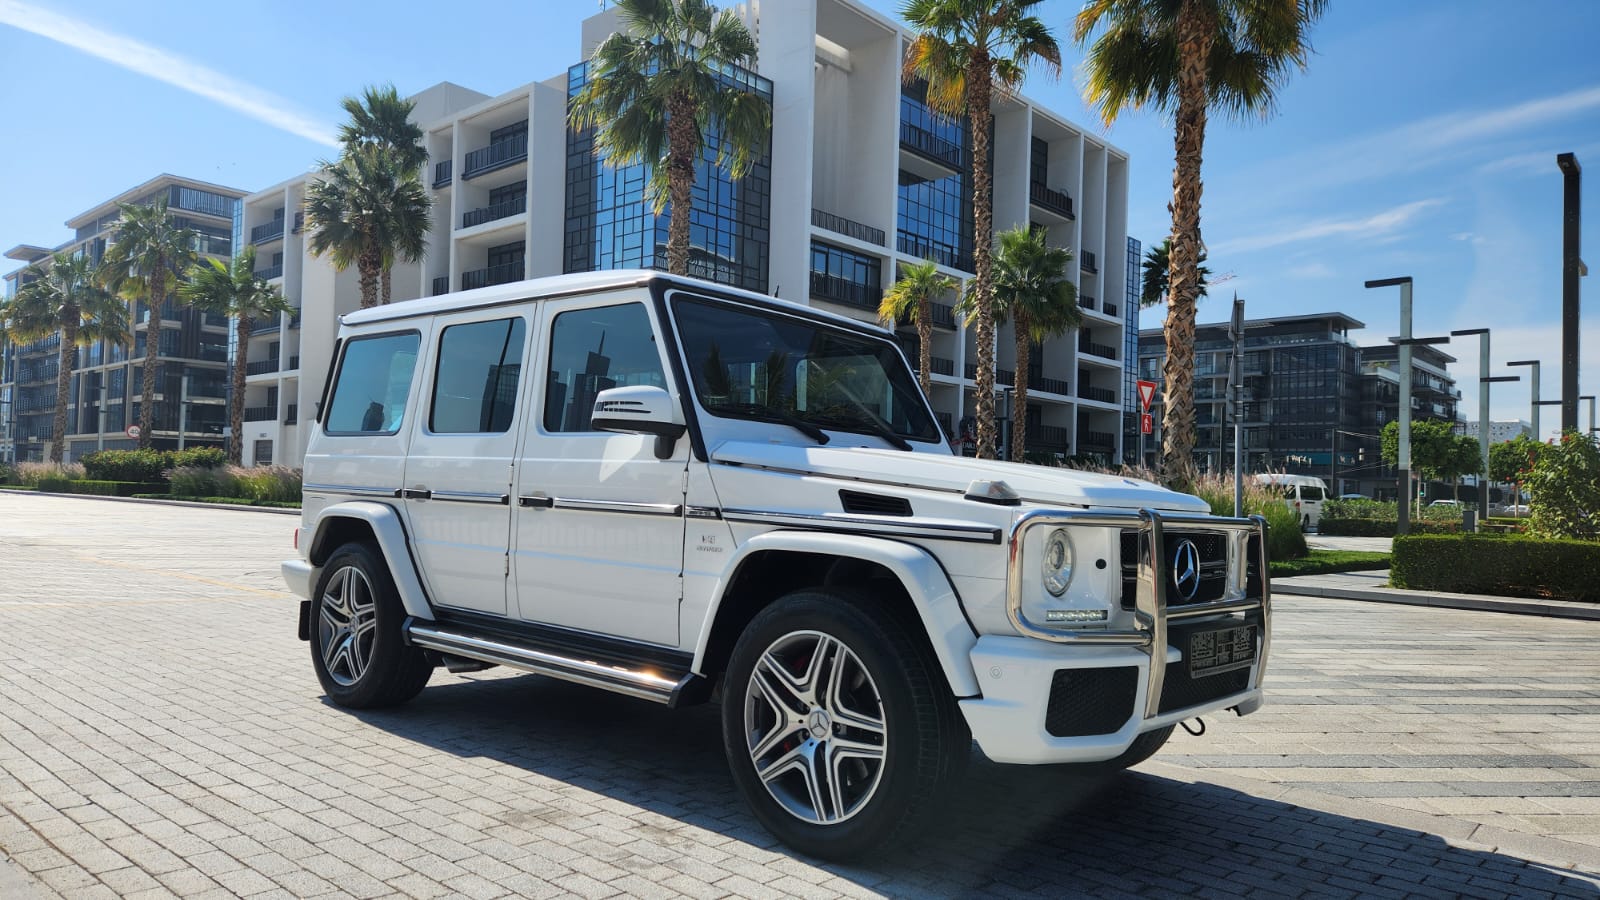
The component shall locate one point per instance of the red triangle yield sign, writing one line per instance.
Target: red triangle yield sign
(1147, 392)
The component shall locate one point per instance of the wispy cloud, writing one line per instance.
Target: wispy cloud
(137, 56)
(1538, 162)
(1378, 225)
(1312, 270)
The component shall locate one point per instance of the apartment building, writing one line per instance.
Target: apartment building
(105, 394)
(861, 179)
(1499, 431)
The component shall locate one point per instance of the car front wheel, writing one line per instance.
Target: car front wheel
(357, 647)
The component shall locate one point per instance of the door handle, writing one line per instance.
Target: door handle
(417, 494)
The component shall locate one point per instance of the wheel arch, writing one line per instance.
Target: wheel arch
(777, 562)
(380, 525)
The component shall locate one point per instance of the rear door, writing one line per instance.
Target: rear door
(457, 490)
(1311, 498)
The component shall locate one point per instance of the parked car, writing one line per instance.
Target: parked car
(673, 490)
(1444, 504)
(1304, 494)
(1354, 497)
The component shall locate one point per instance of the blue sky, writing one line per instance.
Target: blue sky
(1421, 140)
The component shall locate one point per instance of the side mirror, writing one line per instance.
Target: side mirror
(640, 409)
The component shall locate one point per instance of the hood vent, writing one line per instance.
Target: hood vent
(874, 504)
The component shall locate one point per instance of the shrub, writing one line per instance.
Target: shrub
(276, 483)
(8, 474)
(1284, 539)
(54, 483)
(1565, 489)
(125, 465)
(1504, 565)
(29, 474)
(199, 457)
(199, 481)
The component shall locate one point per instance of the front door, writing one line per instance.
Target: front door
(458, 476)
(598, 521)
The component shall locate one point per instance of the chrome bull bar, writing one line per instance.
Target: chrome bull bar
(1151, 613)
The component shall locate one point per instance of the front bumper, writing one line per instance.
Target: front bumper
(1118, 680)
(298, 574)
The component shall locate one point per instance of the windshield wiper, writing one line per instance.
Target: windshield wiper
(771, 412)
(874, 426)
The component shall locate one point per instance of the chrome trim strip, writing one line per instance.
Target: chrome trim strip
(1150, 603)
(897, 526)
(618, 506)
(1215, 607)
(353, 489)
(703, 512)
(472, 497)
(1266, 602)
(645, 685)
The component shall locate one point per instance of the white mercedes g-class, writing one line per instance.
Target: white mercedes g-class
(681, 492)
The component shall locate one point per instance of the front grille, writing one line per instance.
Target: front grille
(1179, 691)
(1212, 547)
(1090, 701)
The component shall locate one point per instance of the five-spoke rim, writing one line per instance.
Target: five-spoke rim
(815, 727)
(347, 625)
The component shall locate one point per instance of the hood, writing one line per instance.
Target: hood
(1036, 484)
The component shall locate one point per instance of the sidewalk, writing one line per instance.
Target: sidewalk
(1373, 586)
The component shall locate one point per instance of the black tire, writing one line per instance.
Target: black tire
(885, 664)
(369, 666)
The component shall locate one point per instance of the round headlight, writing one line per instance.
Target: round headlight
(1057, 562)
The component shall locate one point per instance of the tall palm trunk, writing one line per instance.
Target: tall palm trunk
(1019, 409)
(152, 355)
(978, 93)
(1177, 423)
(69, 361)
(924, 351)
(368, 267)
(236, 403)
(384, 283)
(680, 181)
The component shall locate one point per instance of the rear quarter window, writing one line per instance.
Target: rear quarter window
(373, 382)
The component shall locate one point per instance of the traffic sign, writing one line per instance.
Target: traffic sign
(1147, 392)
(133, 432)
(1147, 423)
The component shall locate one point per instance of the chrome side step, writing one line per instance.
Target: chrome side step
(645, 683)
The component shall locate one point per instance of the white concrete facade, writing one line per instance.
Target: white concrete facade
(837, 158)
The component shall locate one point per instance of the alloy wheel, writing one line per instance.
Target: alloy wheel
(347, 625)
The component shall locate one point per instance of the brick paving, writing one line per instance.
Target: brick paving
(162, 733)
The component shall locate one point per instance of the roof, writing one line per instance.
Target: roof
(579, 283)
(28, 252)
(1348, 323)
(134, 193)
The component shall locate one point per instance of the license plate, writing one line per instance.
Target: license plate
(1211, 652)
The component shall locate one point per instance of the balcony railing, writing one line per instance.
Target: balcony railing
(272, 327)
(1085, 301)
(260, 413)
(942, 366)
(927, 144)
(1109, 309)
(945, 423)
(501, 274)
(940, 315)
(1100, 440)
(299, 222)
(1103, 395)
(262, 367)
(294, 364)
(291, 415)
(1001, 376)
(1052, 385)
(1047, 436)
(441, 285)
(1088, 263)
(270, 272)
(843, 290)
(1106, 351)
(512, 207)
(268, 232)
(1055, 201)
(848, 227)
(944, 254)
(497, 155)
(442, 172)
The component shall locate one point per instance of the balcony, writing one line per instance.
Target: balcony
(842, 290)
(1097, 440)
(941, 315)
(941, 253)
(1051, 201)
(260, 413)
(942, 366)
(514, 206)
(848, 227)
(1001, 376)
(294, 364)
(261, 368)
(1100, 394)
(299, 223)
(1047, 437)
(945, 424)
(497, 155)
(1085, 301)
(261, 328)
(441, 285)
(930, 146)
(1105, 351)
(1088, 263)
(270, 272)
(1109, 309)
(501, 274)
(268, 232)
(442, 173)
(1049, 385)
(292, 414)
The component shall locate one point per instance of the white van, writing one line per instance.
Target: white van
(1303, 493)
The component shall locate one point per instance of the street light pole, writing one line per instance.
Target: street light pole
(1403, 470)
(1590, 398)
(1571, 220)
(1236, 392)
(1534, 408)
(1484, 380)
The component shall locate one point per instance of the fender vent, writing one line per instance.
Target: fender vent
(874, 504)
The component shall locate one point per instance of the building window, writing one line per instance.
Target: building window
(475, 382)
(935, 215)
(199, 201)
(263, 453)
(592, 350)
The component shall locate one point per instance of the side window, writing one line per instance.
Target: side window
(475, 382)
(374, 378)
(592, 350)
(1311, 492)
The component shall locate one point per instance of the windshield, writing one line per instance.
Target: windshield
(750, 364)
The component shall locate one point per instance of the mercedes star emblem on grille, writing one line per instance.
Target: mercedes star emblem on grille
(1186, 569)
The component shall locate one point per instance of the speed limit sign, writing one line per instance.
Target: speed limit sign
(133, 432)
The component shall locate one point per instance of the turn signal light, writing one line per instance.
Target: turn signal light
(297, 539)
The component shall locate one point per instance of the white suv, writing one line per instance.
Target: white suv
(676, 491)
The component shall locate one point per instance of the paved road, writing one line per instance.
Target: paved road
(1341, 542)
(161, 732)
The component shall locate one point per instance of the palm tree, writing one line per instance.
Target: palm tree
(1156, 265)
(912, 297)
(365, 209)
(68, 297)
(656, 89)
(964, 51)
(381, 119)
(1032, 291)
(147, 257)
(1185, 57)
(237, 292)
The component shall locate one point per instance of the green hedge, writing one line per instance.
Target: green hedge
(1381, 527)
(148, 466)
(55, 484)
(96, 487)
(1323, 562)
(1507, 566)
(221, 501)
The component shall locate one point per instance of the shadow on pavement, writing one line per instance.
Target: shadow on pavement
(1011, 830)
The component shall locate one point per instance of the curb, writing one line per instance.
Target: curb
(189, 503)
(1557, 609)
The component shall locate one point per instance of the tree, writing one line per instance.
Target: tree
(1437, 452)
(67, 297)
(912, 297)
(239, 293)
(1184, 57)
(1511, 461)
(1462, 458)
(148, 255)
(1156, 265)
(381, 119)
(965, 51)
(655, 93)
(1031, 291)
(1564, 487)
(364, 210)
